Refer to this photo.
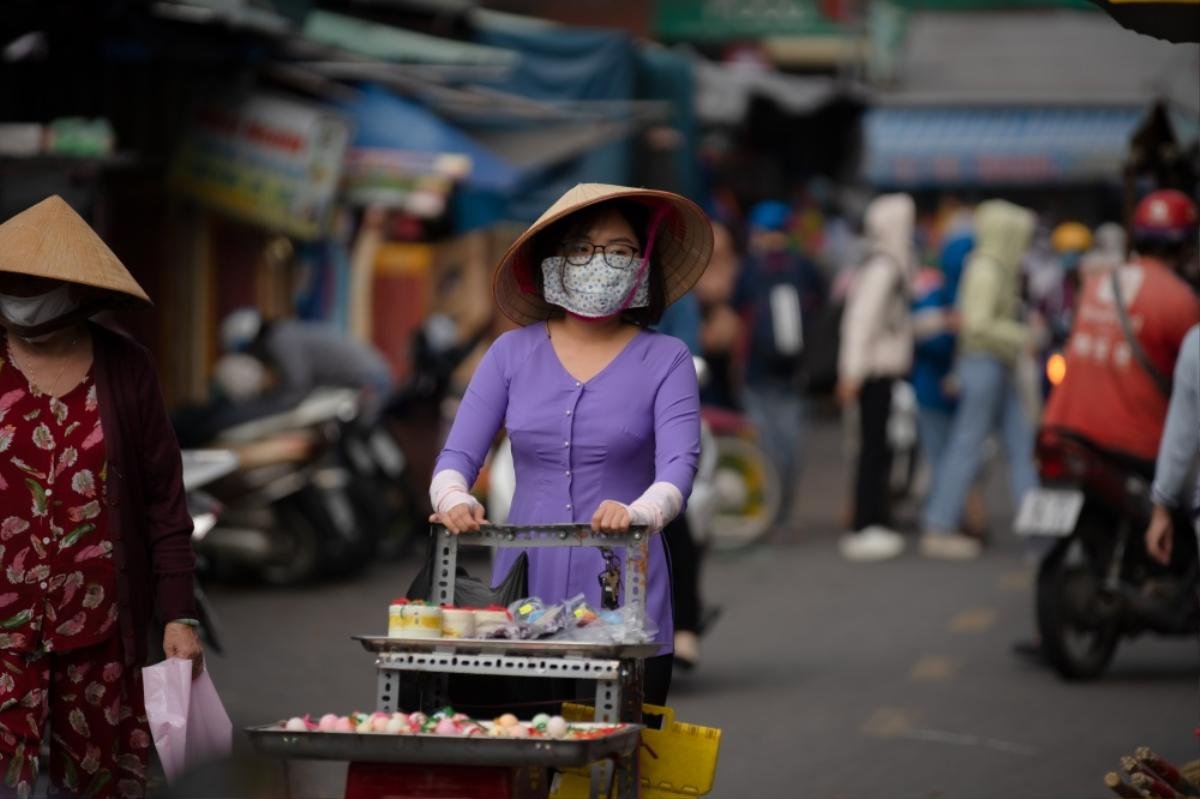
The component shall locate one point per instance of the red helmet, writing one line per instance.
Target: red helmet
(1167, 216)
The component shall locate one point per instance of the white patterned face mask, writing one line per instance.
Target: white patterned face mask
(594, 290)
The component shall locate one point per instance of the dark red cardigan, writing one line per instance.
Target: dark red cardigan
(152, 530)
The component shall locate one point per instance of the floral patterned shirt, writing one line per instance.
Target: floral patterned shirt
(57, 577)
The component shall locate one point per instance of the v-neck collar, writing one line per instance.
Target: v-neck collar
(604, 369)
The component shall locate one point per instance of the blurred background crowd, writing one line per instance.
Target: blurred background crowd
(315, 192)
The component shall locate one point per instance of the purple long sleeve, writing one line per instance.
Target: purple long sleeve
(677, 426)
(478, 419)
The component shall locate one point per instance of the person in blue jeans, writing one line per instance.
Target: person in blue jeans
(992, 339)
(935, 331)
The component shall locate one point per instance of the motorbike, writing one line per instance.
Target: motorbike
(746, 489)
(290, 508)
(1097, 585)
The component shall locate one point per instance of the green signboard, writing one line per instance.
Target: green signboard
(731, 20)
(725, 20)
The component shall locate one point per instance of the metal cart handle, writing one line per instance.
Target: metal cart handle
(636, 544)
(569, 534)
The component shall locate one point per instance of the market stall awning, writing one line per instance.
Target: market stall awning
(375, 40)
(383, 121)
(929, 147)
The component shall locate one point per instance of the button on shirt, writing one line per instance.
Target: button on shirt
(57, 579)
(577, 444)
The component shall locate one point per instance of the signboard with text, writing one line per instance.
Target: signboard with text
(271, 161)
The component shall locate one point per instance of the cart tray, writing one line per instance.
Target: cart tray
(491, 646)
(272, 741)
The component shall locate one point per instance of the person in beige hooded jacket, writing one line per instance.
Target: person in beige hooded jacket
(876, 350)
(992, 340)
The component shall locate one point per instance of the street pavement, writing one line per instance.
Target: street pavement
(828, 679)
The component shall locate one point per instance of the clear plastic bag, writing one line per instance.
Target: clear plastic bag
(188, 723)
(620, 626)
(575, 620)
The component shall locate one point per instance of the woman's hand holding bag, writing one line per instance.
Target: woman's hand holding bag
(182, 641)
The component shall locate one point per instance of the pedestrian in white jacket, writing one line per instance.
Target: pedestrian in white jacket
(876, 350)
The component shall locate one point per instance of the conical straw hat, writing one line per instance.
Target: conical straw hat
(51, 241)
(683, 247)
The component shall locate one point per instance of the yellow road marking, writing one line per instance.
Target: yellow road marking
(973, 620)
(890, 722)
(1021, 580)
(934, 668)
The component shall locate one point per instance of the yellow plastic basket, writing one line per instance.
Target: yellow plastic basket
(677, 760)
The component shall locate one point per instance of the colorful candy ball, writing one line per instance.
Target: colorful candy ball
(295, 724)
(556, 727)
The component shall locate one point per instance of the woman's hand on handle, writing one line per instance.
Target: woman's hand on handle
(463, 518)
(611, 517)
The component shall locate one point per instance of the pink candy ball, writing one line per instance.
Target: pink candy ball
(446, 727)
(518, 731)
(344, 724)
(328, 723)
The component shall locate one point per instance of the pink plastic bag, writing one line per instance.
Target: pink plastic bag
(187, 721)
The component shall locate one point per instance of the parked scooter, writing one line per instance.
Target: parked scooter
(1097, 584)
(289, 510)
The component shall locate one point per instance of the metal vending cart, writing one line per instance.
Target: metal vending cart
(616, 669)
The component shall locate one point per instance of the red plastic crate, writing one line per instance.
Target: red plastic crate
(403, 781)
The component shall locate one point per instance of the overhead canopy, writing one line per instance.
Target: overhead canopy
(374, 40)
(385, 121)
(723, 91)
(1039, 56)
(907, 147)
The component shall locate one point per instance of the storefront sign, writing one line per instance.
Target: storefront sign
(271, 161)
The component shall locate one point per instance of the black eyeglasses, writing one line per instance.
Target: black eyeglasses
(579, 252)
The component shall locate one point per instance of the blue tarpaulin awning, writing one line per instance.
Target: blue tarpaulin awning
(385, 121)
(929, 147)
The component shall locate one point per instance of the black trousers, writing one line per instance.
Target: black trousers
(871, 492)
(685, 574)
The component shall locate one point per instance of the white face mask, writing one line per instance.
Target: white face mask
(33, 312)
(594, 290)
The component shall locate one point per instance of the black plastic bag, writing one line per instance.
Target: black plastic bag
(471, 592)
(477, 695)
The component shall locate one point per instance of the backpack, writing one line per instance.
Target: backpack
(776, 317)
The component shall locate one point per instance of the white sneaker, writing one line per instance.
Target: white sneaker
(872, 544)
(951, 546)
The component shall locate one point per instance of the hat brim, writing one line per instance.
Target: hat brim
(51, 241)
(683, 247)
